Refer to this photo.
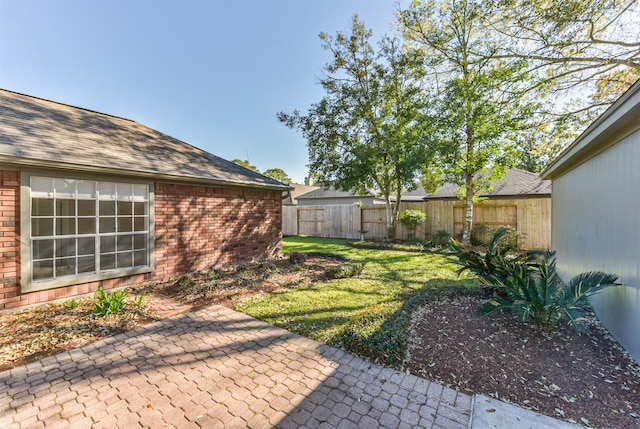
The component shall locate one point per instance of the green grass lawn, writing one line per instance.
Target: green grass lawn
(368, 314)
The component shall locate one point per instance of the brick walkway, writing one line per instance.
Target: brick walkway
(218, 368)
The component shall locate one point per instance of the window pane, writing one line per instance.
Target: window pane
(86, 208)
(42, 269)
(65, 188)
(139, 208)
(124, 224)
(107, 208)
(108, 262)
(87, 225)
(65, 226)
(139, 224)
(125, 242)
(107, 224)
(42, 249)
(41, 187)
(140, 241)
(139, 258)
(65, 207)
(65, 267)
(86, 264)
(107, 244)
(41, 227)
(86, 189)
(107, 190)
(42, 207)
(125, 208)
(125, 260)
(86, 246)
(124, 191)
(65, 247)
(140, 192)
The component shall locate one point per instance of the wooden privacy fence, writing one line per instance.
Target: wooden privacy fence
(531, 217)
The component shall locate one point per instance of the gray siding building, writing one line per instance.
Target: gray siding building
(596, 208)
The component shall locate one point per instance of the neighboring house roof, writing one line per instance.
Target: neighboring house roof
(43, 133)
(332, 193)
(618, 121)
(515, 183)
(291, 197)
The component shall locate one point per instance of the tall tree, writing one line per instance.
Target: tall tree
(583, 54)
(278, 174)
(246, 164)
(478, 107)
(363, 133)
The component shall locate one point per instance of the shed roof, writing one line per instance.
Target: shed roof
(43, 133)
(618, 121)
(515, 183)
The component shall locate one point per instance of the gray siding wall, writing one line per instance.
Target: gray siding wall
(596, 226)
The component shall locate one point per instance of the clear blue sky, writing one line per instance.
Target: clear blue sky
(213, 73)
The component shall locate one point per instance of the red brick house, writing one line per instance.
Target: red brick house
(89, 199)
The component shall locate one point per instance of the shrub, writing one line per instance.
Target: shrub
(442, 237)
(411, 219)
(529, 286)
(105, 303)
(297, 258)
(348, 269)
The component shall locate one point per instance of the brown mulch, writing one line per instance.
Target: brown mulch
(588, 379)
(37, 332)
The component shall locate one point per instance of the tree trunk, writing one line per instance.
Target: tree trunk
(468, 213)
(391, 227)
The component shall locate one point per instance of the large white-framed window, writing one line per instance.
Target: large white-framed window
(82, 229)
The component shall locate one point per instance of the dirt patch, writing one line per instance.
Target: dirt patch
(587, 379)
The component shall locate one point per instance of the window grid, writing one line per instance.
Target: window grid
(70, 234)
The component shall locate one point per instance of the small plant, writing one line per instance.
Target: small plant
(105, 303)
(297, 258)
(342, 271)
(139, 301)
(479, 234)
(411, 219)
(442, 237)
(529, 286)
(71, 304)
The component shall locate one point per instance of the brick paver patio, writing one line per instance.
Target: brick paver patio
(219, 368)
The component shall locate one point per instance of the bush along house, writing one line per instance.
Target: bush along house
(90, 200)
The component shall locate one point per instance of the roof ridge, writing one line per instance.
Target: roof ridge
(67, 105)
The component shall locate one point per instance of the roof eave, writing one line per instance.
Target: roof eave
(17, 161)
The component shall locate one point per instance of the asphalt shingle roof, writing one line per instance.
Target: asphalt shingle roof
(35, 129)
(515, 183)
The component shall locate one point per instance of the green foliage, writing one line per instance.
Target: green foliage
(364, 133)
(529, 286)
(246, 164)
(412, 218)
(105, 303)
(442, 237)
(345, 270)
(278, 174)
(71, 303)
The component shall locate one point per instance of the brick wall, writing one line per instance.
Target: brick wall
(9, 236)
(196, 227)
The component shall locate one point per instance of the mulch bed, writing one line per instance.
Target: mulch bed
(588, 379)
